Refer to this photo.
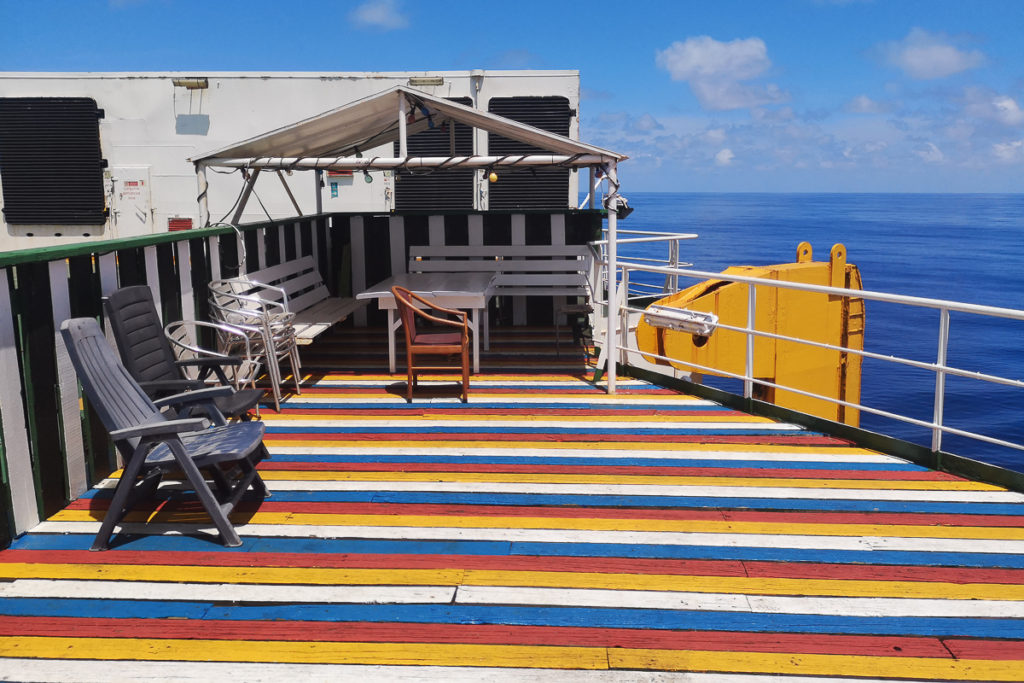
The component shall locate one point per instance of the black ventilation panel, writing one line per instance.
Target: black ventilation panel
(437, 190)
(51, 166)
(538, 188)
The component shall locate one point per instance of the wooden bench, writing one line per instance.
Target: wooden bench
(520, 270)
(298, 286)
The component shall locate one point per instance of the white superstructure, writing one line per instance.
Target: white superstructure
(153, 123)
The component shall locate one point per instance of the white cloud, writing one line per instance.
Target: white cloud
(379, 14)
(724, 157)
(717, 71)
(715, 136)
(1009, 151)
(929, 153)
(981, 103)
(646, 124)
(862, 104)
(927, 55)
(1007, 110)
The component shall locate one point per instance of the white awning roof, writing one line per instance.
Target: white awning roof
(337, 138)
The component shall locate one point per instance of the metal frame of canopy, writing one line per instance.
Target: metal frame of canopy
(334, 140)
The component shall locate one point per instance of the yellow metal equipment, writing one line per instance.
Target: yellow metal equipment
(820, 318)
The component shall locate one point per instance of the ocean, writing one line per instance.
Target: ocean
(966, 248)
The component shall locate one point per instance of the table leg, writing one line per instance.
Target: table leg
(392, 328)
(475, 315)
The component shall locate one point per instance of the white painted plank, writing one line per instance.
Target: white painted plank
(358, 250)
(695, 456)
(104, 671)
(213, 249)
(21, 484)
(153, 274)
(435, 231)
(518, 238)
(396, 229)
(720, 602)
(943, 545)
(188, 301)
(476, 229)
(153, 590)
(67, 383)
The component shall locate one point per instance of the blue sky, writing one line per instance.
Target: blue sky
(716, 95)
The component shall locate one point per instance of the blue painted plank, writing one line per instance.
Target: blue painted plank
(528, 615)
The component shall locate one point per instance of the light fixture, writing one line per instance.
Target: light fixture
(426, 80)
(697, 323)
(191, 83)
(367, 178)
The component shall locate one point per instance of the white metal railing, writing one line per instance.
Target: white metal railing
(619, 347)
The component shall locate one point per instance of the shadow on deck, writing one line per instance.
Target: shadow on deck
(544, 526)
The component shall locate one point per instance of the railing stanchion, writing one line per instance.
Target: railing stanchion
(748, 375)
(940, 379)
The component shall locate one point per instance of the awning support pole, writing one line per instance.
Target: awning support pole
(244, 199)
(403, 150)
(288, 191)
(204, 201)
(317, 179)
(611, 339)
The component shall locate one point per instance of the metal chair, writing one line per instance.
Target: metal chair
(267, 325)
(149, 358)
(152, 445)
(420, 343)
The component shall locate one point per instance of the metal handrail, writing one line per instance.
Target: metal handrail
(939, 367)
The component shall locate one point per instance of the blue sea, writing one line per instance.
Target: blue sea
(966, 248)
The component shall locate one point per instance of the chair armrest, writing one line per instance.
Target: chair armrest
(175, 386)
(440, 309)
(211, 364)
(198, 396)
(164, 428)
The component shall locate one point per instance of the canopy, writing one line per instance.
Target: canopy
(338, 138)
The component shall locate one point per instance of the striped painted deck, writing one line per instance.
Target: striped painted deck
(544, 530)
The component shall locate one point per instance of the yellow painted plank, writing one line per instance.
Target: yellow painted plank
(588, 524)
(546, 579)
(665, 480)
(817, 665)
(396, 654)
(283, 440)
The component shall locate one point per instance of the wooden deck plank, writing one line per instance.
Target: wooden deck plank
(542, 531)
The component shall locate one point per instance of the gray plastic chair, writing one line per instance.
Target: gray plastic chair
(151, 444)
(147, 354)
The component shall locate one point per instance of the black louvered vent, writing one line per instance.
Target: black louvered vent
(540, 188)
(51, 167)
(442, 190)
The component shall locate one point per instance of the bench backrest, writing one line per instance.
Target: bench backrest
(300, 280)
(520, 269)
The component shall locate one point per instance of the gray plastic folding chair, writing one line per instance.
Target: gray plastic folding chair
(147, 354)
(152, 445)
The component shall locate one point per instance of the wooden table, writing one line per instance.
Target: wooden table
(471, 291)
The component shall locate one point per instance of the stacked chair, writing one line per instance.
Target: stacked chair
(154, 444)
(269, 334)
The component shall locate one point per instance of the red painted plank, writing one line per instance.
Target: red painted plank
(610, 565)
(760, 439)
(964, 648)
(369, 632)
(624, 470)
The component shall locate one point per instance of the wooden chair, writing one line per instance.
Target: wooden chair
(420, 343)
